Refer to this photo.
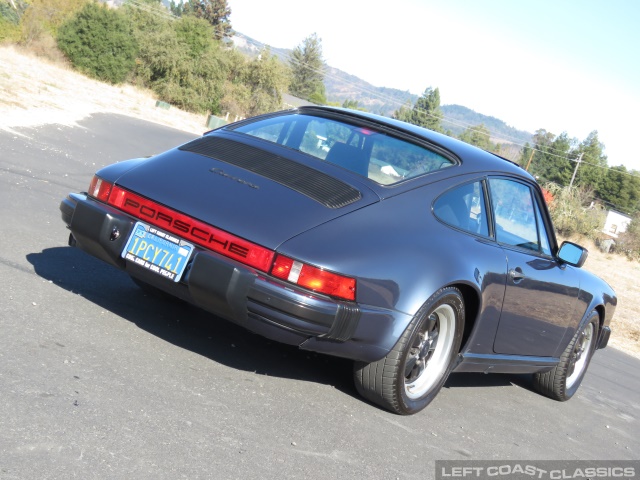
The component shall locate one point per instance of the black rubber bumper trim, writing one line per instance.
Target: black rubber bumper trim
(220, 286)
(345, 323)
(68, 206)
(92, 224)
(326, 318)
(605, 334)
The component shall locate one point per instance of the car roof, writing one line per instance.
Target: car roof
(472, 159)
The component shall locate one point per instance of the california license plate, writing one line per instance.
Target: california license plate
(157, 251)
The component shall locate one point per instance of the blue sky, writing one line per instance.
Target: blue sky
(559, 65)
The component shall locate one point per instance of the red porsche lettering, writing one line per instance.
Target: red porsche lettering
(195, 231)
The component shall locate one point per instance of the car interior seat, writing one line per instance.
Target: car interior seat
(349, 157)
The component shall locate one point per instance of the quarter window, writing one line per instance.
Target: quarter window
(463, 207)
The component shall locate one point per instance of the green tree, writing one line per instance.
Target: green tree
(550, 161)
(179, 60)
(479, 136)
(620, 189)
(216, 12)
(266, 78)
(426, 111)
(594, 162)
(99, 42)
(195, 34)
(307, 70)
(353, 105)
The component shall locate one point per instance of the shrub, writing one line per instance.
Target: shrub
(10, 15)
(99, 42)
(44, 17)
(628, 242)
(9, 31)
(574, 213)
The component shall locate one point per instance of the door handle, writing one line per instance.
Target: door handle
(516, 274)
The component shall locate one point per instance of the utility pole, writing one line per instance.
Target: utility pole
(576, 170)
(530, 158)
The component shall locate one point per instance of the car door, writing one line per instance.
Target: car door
(541, 292)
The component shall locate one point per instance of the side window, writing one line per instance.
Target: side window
(514, 214)
(394, 159)
(274, 129)
(464, 207)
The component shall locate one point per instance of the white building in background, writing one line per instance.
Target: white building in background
(616, 223)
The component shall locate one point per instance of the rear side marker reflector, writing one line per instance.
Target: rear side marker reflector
(212, 238)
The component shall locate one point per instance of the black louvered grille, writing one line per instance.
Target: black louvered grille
(319, 186)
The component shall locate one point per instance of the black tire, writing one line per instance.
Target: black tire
(562, 382)
(410, 376)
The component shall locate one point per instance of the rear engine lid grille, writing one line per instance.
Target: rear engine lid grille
(316, 185)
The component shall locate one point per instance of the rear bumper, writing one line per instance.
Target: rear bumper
(250, 298)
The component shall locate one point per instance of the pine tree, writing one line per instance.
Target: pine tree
(425, 113)
(216, 12)
(307, 67)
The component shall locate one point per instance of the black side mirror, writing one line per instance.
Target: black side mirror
(573, 254)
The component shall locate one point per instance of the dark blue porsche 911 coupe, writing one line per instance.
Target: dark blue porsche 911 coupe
(345, 233)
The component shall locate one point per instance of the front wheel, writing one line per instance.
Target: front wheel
(562, 382)
(410, 376)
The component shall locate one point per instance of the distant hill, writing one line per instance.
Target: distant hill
(341, 86)
(459, 118)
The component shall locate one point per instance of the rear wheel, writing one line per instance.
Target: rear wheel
(562, 382)
(410, 376)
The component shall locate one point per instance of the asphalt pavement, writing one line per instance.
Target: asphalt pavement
(99, 380)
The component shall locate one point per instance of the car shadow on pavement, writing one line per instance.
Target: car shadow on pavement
(194, 329)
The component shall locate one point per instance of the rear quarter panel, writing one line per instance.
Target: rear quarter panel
(595, 294)
(401, 254)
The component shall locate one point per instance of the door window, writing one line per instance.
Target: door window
(517, 216)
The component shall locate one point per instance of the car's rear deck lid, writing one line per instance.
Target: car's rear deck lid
(317, 185)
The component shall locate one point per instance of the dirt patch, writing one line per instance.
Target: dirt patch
(34, 91)
(624, 277)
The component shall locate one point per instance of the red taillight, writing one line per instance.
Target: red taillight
(99, 189)
(314, 278)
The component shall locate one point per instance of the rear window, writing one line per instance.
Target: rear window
(373, 154)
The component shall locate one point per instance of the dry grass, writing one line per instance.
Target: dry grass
(37, 91)
(622, 274)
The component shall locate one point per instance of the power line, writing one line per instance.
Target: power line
(511, 140)
(168, 15)
(508, 139)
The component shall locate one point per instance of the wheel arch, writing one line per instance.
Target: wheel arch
(471, 298)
